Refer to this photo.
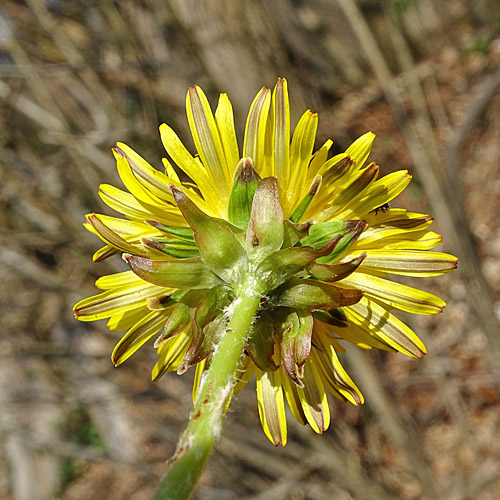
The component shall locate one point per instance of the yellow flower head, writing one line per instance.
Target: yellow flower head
(312, 236)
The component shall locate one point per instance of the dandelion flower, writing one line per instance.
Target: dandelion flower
(310, 239)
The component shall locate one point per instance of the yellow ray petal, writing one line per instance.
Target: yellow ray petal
(313, 399)
(319, 159)
(332, 372)
(380, 323)
(244, 374)
(300, 157)
(129, 206)
(140, 333)
(396, 239)
(181, 156)
(281, 135)
(135, 240)
(334, 178)
(200, 368)
(394, 294)
(207, 139)
(360, 149)
(381, 191)
(271, 406)
(225, 124)
(325, 331)
(398, 226)
(171, 353)
(408, 262)
(328, 170)
(112, 238)
(255, 131)
(117, 280)
(353, 334)
(170, 172)
(357, 154)
(116, 301)
(398, 217)
(352, 192)
(419, 240)
(326, 378)
(127, 319)
(140, 191)
(324, 195)
(153, 180)
(293, 399)
(104, 253)
(192, 167)
(123, 227)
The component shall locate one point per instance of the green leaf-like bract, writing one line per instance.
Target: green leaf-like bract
(184, 233)
(265, 229)
(346, 232)
(260, 343)
(208, 323)
(285, 263)
(246, 180)
(220, 248)
(186, 273)
(310, 295)
(296, 342)
(182, 314)
(175, 247)
(294, 232)
(335, 272)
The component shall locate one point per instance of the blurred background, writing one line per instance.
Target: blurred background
(77, 76)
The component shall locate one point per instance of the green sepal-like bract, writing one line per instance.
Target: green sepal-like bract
(294, 232)
(285, 263)
(296, 342)
(345, 232)
(335, 272)
(208, 323)
(260, 343)
(203, 343)
(265, 229)
(184, 233)
(310, 294)
(220, 247)
(174, 247)
(186, 273)
(245, 182)
(180, 317)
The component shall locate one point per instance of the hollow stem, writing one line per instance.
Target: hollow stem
(214, 395)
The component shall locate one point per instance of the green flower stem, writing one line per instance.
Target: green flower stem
(210, 406)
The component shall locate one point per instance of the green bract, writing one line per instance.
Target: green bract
(246, 180)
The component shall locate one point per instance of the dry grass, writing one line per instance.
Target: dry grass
(78, 76)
